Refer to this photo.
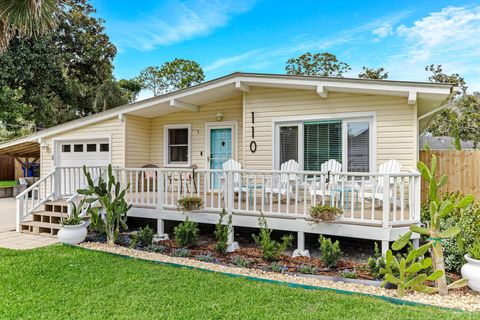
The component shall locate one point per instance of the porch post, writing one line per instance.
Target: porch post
(300, 251)
(232, 245)
(386, 211)
(160, 199)
(57, 183)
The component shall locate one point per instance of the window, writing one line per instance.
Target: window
(66, 148)
(78, 148)
(104, 147)
(288, 144)
(178, 145)
(312, 143)
(91, 147)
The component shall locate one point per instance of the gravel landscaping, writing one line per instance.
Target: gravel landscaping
(464, 300)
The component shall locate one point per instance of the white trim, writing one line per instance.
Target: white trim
(412, 98)
(322, 91)
(371, 117)
(175, 103)
(242, 87)
(165, 144)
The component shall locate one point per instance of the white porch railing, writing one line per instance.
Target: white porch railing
(365, 198)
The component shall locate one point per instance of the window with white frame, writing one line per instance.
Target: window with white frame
(312, 143)
(177, 142)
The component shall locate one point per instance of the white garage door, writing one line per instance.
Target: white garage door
(77, 153)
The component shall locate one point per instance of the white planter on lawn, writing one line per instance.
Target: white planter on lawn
(73, 234)
(471, 271)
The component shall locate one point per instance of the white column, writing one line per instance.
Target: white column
(300, 251)
(232, 245)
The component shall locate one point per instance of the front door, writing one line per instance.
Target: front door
(220, 151)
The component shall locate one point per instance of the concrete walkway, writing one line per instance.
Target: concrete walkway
(19, 241)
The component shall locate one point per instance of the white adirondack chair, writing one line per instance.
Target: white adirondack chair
(282, 183)
(388, 167)
(231, 164)
(325, 184)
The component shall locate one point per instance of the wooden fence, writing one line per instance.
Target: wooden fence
(7, 169)
(462, 168)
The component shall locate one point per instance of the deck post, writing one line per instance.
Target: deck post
(385, 247)
(300, 251)
(229, 197)
(160, 198)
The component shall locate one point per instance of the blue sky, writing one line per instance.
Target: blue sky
(259, 36)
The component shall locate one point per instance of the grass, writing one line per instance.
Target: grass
(4, 184)
(62, 282)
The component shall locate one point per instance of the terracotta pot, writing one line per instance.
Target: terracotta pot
(471, 271)
(73, 234)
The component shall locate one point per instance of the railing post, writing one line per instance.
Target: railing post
(57, 183)
(386, 201)
(232, 245)
(161, 189)
(417, 196)
(20, 210)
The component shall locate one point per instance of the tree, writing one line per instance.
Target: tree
(29, 18)
(171, 76)
(319, 64)
(439, 77)
(368, 73)
(13, 114)
(62, 73)
(130, 88)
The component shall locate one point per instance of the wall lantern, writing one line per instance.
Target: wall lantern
(219, 116)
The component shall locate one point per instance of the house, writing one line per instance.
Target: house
(175, 144)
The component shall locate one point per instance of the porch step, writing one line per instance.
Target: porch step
(40, 228)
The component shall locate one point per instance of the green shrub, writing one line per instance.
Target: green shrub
(307, 269)
(157, 248)
(348, 274)
(271, 249)
(190, 203)
(324, 213)
(74, 218)
(376, 263)
(221, 233)
(241, 261)
(330, 252)
(186, 233)
(145, 236)
(474, 250)
(96, 222)
(181, 253)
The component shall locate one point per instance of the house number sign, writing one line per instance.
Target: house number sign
(253, 144)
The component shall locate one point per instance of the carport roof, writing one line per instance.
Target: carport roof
(22, 150)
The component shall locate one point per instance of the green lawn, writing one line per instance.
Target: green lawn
(62, 282)
(7, 183)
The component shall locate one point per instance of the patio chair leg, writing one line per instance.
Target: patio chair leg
(300, 251)
(161, 235)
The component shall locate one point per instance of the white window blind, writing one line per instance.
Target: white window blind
(322, 142)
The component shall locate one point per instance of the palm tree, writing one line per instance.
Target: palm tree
(30, 18)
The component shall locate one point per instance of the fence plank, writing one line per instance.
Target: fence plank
(7, 168)
(462, 168)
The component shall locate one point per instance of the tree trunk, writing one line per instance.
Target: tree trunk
(438, 264)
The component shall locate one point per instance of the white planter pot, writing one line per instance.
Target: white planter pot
(471, 271)
(73, 234)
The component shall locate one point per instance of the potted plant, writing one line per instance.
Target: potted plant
(190, 203)
(73, 230)
(324, 213)
(471, 270)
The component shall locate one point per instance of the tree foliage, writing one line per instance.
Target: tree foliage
(13, 113)
(319, 64)
(171, 76)
(370, 73)
(438, 76)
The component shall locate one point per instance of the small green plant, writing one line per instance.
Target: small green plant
(330, 252)
(222, 232)
(157, 248)
(74, 218)
(241, 261)
(206, 258)
(348, 274)
(96, 222)
(324, 213)
(271, 249)
(276, 267)
(145, 236)
(410, 273)
(376, 263)
(186, 233)
(474, 250)
(190, 203)
(181, 253)
(307, 269)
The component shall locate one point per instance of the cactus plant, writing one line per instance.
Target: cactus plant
(112, 199)
(438, 209)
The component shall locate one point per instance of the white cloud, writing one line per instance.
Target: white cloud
(384, 30)
(175, 21)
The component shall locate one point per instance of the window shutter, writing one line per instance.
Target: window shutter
(322, 142)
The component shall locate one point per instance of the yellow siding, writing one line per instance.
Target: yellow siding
(137, 141)
(396, 129)
(113, 128)
(232, 110)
